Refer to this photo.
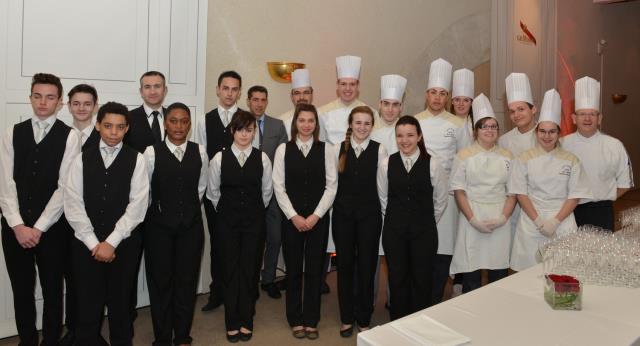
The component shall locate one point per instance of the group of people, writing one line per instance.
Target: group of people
(439, 193)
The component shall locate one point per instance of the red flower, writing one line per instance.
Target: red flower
(564, 283)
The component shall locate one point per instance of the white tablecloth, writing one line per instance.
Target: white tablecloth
(512, 311)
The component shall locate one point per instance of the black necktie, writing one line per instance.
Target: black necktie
(155, 127)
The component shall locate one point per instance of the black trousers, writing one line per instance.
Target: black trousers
(21, 263)
(215, 287)
(105, 284)
(70, 296)
(357, 239)
(304, 254)
(410, 261)
(172, 262)
(272, 242)
(595, 213)
(440, 277)
(241, 248)
(473, 280)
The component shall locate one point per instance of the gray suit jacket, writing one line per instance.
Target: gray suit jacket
(273, 135)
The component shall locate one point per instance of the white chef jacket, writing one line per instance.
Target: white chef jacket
(517, 142)
(605, 162)
(287, 119)
(386, 135)
(442, 135)
(334, 118)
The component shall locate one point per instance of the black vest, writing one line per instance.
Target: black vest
(175, 200)
(92, 141)
(410, 198)
(106, 190)
(357, 186)
(241, 189)
(218, 136)
(305, 178)
(36, 167)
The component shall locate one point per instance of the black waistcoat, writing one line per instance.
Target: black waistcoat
(36, 167)
(305, 178)
(92, 141)
(357, 188)
(218, 136)
(241, 189)
(106, 190)
(410, 198)
(175, 200)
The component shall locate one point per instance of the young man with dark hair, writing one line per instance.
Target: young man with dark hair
(34, 157)
(213, 133)
(177, 171)
(269, 135)
(106, 197)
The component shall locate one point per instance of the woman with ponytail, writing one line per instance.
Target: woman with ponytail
(412, 188)
(357, 222)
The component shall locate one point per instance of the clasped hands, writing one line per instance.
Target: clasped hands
(547, 227)
(27, 237)
(305, 224)
(104, 252)
(488, 226)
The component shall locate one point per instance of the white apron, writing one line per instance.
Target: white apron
(485, 177)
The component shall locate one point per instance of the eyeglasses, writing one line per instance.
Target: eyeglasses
(489, 127)
(549, 132)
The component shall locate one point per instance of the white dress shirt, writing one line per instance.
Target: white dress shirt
(76, 214)
(605, 161)
(331, 179)
(150, 158)
(438, 181)
(200, 133)
(8, 192)
(85, 133)
(150, 110)
(382, 152)
(215, 172)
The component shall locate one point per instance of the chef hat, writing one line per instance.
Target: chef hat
(550, 110)
(348, 66)
(587, 93)
(482, 108)
(392, 87)
(300, 78)
(518, 88)
(440, 74)
(462, 83)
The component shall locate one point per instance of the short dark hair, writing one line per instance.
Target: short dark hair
(241, 120)
(257, 89)
(113, 108)
(153, 73)
(304, 107)
(230, 74)
(84, 88)
(178, 105)
(47, 78)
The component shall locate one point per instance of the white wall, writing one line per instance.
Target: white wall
(391, 36)
(105, 43)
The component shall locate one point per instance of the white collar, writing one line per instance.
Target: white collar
(148, 110)
(236, 151)
(588, 139)
(50, 120)
(231, 110)
(413, 157)
(362, 145)
(87, 130)
(300, 143)
(172, 147)
(104, 145)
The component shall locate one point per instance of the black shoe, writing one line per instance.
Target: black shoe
(282, 284)
(214, 302)
(272, 290)
(245, 336)
(68, 339)
(346, 333)
(233, 338)
(325, 288)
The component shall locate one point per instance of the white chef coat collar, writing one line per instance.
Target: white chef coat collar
(588, 139)
(477, 144)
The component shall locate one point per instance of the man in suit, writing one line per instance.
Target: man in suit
(145, 130)
(271, 133)
(213, 133)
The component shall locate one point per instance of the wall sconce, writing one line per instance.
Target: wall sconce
(280, 71)
(618, 98)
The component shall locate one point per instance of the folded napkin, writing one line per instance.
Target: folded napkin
(429, 332)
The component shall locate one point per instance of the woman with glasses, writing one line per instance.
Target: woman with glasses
(548, 182)
(479, 182)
